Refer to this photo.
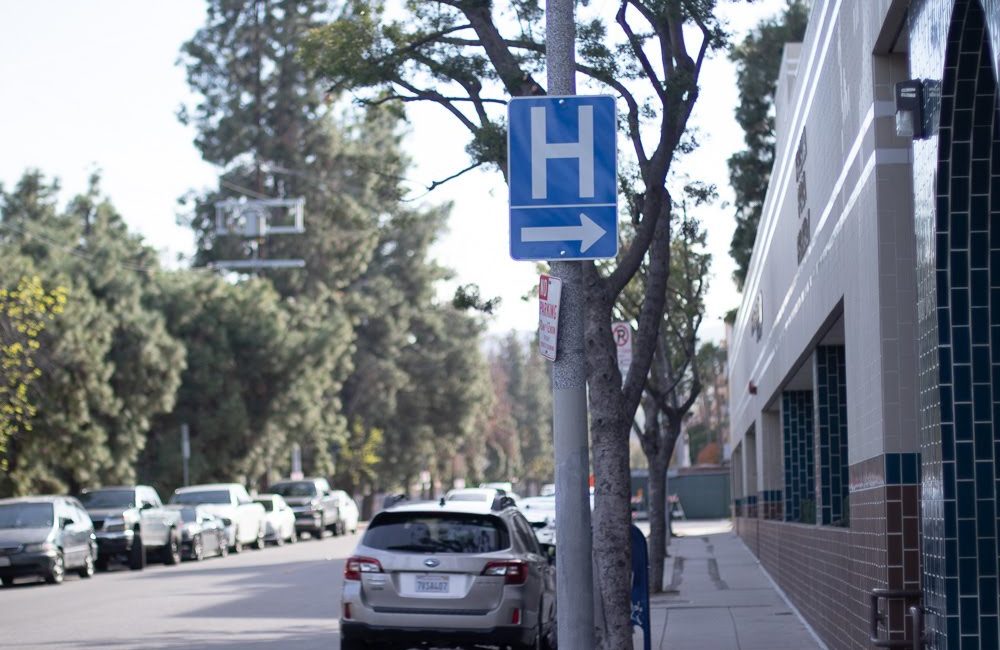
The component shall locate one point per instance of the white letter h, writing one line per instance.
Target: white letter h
(542, 150)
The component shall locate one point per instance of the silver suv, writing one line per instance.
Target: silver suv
(449, 573)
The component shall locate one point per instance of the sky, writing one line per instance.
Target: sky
(95, 86)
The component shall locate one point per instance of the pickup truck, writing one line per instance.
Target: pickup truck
(315, 505)
(130, 522)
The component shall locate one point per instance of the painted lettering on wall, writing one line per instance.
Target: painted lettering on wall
(757, 317)
(805, 234)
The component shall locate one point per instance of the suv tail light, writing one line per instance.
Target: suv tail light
(515, 572)
(356, 565)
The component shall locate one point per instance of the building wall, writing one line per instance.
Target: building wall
(957, 187)
(830, 313)
(875, 289)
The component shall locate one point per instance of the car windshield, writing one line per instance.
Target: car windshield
(108, 499)
(202, 496)
(420, 532)
(296, 489)
(267, 503)
(26, 515)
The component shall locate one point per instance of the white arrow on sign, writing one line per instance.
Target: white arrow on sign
(587, 233)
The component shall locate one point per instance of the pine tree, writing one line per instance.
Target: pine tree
(757, 60)
(109, 366)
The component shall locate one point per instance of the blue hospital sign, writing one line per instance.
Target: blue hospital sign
(561, 163)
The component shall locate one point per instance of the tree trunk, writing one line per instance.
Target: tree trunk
(657, 520)
(612, 504)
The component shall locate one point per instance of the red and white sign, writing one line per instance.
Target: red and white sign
(622, 333)
(549, 291)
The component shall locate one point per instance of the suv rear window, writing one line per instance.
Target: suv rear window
(424, 532)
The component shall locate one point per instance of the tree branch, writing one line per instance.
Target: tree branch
(437, 97)
(517, 82)
(640, 54)
(652, 311)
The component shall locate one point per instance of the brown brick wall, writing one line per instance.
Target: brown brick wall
(828, 572)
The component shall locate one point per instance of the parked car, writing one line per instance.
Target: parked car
(232, 502)
(505, 486)
(45, 536)
(202, 533)
(279, 517)
(487, 496)
(348, 512)
(448, 573)
(131, 524)
(541, 514)
(313, 503)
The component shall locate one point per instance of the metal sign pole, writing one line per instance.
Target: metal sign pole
(185, 449)
(574, 571)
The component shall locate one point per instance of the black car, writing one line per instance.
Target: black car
(45, 536)
(202, 533)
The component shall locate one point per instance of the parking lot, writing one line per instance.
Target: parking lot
(284, 597)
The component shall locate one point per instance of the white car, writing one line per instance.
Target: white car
(487, 496)
(244, 519)
(279, 518)
(349, 514)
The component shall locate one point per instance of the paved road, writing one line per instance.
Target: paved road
(280, 598)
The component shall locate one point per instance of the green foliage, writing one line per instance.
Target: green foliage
(517, 433)
(268, 125)
(758, 59)
(263, 373)
(367, 255)
(360, 457)
(109, 365)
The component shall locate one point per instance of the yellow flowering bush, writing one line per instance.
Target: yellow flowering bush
(24, 312)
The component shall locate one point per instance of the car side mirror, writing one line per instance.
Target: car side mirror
(549, 551)
(64, 522)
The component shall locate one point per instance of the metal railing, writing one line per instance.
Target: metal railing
(916, 642)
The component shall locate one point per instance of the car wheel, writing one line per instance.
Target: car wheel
(238, 544)
(137, 555)
(261, 542)
(278, 539)
(223, 546)
(7, 582)
(58, 571)
(293, 538)
(172, 551)
(87, 570)
(102, 563)
(348, 643)
(197, 548)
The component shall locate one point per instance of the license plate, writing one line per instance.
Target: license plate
(432, 584)
(4, 561)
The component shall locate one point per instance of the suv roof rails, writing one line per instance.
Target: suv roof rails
(393, 499)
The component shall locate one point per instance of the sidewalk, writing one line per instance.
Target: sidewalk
(717, 597)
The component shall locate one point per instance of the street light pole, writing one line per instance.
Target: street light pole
(185, 450)
(574, 569)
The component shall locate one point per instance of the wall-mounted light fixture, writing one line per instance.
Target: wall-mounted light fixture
(909, 109)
